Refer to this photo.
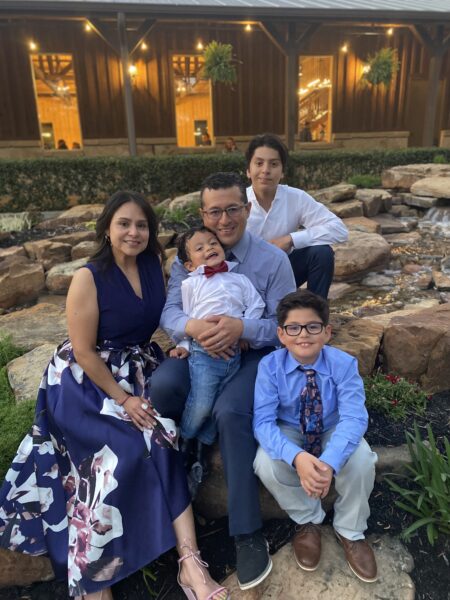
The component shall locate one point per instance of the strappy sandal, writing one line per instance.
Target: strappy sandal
(190, 594)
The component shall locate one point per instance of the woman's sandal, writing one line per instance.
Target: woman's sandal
(190, 594)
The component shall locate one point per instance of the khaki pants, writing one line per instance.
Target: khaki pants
(353, 485)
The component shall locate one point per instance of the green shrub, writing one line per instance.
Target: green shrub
(49, 183)
(365, 181)
(427, 495)
(440, 159)
(394, 396)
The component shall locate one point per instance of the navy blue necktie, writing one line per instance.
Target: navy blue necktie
(311, 412)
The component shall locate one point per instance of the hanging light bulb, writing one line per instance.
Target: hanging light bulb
(248, 27)
(199, 45)
(132, 70)
(390, 31)
(32, 45)
(88, 27)
(344, 48)
(144, 46)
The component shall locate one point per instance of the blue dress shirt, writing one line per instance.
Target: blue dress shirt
(277, 399)
(267, 267)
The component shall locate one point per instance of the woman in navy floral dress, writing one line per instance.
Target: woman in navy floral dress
(97, 484)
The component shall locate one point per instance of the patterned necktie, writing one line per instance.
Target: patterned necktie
(311, 410)
(210, 271)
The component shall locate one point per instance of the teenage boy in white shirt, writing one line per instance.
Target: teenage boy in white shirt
(278, 211)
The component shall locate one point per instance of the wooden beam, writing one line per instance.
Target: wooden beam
(275, 36)
(306, 35)
(422, 36)
(106, 34)
(432, 99)
(128, 95)
(138, 37)
(291, 89)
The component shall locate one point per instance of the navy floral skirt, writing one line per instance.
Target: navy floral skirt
(88, 488)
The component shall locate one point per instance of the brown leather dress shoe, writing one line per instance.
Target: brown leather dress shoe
(360, 558)
(307, 545)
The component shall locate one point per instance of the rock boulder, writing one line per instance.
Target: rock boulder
(404, 176)
(59, 277)
(31, 327)
(362, 340)
(25, 372)
(363, 252)
(20, 282)
(335, 193)
(438, 187)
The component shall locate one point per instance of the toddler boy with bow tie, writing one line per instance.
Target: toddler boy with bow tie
(309, 419)
(210, 289)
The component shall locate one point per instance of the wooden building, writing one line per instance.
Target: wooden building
(115, 78)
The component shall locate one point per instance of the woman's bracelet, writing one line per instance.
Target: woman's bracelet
(120, 402)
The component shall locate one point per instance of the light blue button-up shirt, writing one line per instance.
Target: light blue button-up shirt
(277, 399)
(267, 267)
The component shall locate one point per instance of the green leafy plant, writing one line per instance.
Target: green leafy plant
(16, 419)
(365, 181)
(381, 67)
(440, 159)
(219, 65)
(427, 495)
(394, 396)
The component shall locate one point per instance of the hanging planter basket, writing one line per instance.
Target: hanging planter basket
(381, 67)
(219, 63)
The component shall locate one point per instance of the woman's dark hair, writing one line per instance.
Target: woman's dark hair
(103, 254)
(303, 299)
(183, 239)
(270, 140)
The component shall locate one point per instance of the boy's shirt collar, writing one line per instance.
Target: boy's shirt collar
(320, 366)
(201, 269)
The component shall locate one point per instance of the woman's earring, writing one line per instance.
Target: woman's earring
(107, 238)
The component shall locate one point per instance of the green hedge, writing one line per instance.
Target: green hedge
(55, 184)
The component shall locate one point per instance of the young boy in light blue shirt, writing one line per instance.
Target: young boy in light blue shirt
(309, 420)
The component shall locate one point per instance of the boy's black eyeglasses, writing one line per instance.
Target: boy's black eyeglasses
(296, 328)
(215, 213)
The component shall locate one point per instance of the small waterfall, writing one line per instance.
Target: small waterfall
(438, 214)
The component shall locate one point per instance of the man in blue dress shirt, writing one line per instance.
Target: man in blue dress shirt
(309, 419)
(225, 210)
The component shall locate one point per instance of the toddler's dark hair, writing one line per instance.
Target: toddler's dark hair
(183, 239)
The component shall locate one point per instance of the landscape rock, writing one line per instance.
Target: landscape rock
(35, 326)
(386, 200)
(17, 568)
(425, 281)
(419, 201)
(337, 290)
(73, 216)
(391, 459)
(408, 310)
(347, 209)
(403, 239)
(362, 340)
(377, 280)
(363, 252)
(441, 281)
(20, 282)
(75, 237)
(333, 578)
(404, 176)
(362, 224)
(419, 349)
(185, 200)
(165, 237)
(170, 257)
(25, 372)
(391, 225)
(83, 250)
(439, 187)
(11, 253)
(372, 202)
(59, 277)
(48, 252)
(335, 193)
(401, 210)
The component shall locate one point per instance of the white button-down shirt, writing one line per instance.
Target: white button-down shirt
(293, 208)
(230, 294)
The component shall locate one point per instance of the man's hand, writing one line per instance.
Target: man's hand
(284, 242)
(219, 340)
(179, 352)
(313, 474)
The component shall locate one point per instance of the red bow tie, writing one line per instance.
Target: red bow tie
(210, 271)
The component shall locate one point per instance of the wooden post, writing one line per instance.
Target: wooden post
(291, 97)
(432, 99)
(129, 111)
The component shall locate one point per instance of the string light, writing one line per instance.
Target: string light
(88, 27)
(390, 31)
(199, 45)
(248, 27)
(366, 68)
(144, 46)
(344, 48)
(132, 70)
(32, 45)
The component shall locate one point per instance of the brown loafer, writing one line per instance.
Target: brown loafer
(307, 545)
(360, 558)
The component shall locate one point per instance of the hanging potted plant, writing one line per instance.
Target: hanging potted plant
(381, 67)
(219, 63)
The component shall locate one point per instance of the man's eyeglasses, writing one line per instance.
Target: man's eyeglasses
(296, 329)
(214, 214)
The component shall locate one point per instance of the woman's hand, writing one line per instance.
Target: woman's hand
(141, 417)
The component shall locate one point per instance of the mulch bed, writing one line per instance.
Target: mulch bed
(431, 574)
